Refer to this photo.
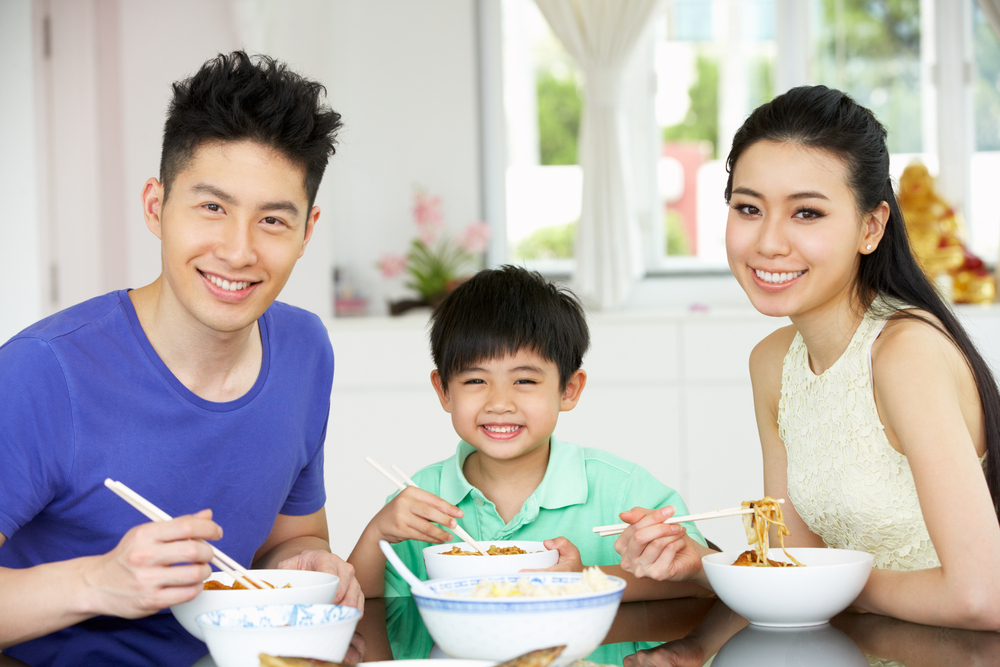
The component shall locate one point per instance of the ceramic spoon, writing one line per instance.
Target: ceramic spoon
(415, 584)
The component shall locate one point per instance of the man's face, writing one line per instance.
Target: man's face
(232, 228)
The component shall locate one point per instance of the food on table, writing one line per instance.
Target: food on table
(540, 658)
(592, 581)
(766, 511)
(212, 585)
(285, 661)
(494, 550)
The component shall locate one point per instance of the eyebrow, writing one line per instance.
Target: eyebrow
(807, 194)
(281, 205)
(520, 369)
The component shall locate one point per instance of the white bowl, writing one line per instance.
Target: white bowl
(306, 588)
(755, 646)
(502, 628)
(449, 567)
(236, 636)
(790, 596)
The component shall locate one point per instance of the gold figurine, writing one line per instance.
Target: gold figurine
(935, 230)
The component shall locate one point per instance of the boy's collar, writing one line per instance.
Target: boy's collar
(564, 484)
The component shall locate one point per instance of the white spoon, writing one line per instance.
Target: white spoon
(415, 584)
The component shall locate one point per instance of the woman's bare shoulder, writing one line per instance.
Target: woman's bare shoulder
(770, 352)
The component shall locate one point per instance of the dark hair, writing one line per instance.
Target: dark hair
(820, 117)
(502, 311)
(237, 97)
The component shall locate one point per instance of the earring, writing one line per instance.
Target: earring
(868, 247)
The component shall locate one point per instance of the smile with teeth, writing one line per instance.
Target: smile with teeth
(775, 278)
(234, 286)
(502, 429)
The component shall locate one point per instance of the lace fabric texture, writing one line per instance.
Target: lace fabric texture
(846, 481)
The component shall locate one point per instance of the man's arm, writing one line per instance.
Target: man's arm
(303, 543)
(139, 577)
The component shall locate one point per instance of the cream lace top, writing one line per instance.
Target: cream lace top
(847, 482)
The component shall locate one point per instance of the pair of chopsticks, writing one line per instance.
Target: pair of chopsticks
(458, 530)
(618, 528)
(154, 513)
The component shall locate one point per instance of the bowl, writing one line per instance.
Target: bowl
(449, 567)
(306, 588)
(756, 646)
(499, 629)
(236, 636)
(790, 596)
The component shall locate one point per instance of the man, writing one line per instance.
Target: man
(198, 391)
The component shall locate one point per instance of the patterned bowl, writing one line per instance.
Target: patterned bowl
(236, 636)
(502, 628)
(440, 566)
(307, 587)
(790, 597)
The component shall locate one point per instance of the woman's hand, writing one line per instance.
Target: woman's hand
(682, 652)
(651, 548)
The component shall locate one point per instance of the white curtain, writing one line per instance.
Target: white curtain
(600, 35)
(991, 8)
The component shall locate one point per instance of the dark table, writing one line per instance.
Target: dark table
(692, 631)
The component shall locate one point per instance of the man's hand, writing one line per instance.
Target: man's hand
(154, 566)
(348, 590)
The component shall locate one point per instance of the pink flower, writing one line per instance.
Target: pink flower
(475, 238)
(392, 265)
(427, 215)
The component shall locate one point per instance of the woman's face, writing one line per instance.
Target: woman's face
(793, 236)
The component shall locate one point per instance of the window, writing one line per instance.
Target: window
(714, 61)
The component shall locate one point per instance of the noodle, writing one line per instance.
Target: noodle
(766, 511)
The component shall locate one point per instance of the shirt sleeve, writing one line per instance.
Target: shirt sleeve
(36, 439)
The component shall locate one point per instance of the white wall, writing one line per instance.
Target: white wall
(403, 74)
(20, 227)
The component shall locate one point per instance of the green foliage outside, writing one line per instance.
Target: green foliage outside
(701, 123)
(559, 109)
(552, 242)
(871, 50)
(677, 238)
(987, 84)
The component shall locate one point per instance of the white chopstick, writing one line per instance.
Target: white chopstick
(618, 528)
(458, 530)
(154, 513)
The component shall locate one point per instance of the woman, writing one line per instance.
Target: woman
(877, 416)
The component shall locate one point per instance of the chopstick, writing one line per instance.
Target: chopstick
(154, 513)
(458, 530)
(618, 528)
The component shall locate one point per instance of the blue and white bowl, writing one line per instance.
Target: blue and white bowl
(236, 636)
(502, 628)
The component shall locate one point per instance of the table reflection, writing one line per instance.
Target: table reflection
(693, 632)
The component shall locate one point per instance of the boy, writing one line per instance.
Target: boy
(197, 390)
(508, 349)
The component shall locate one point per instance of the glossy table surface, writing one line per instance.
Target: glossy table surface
(694, 632)
(701, 631)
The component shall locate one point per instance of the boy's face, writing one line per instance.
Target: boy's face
(235, 223)
(507, 407)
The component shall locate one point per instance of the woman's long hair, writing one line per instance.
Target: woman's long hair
(821, 117)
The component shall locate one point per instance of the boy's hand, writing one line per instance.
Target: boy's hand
(412, 515)
(569, 556)
(651, 548)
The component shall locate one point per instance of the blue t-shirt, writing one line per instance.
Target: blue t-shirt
(84, 397)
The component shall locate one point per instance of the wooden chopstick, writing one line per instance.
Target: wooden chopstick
(618, 528)
(458, 530)
(154, 513)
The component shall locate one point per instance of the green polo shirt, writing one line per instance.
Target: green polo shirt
(582, 488)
